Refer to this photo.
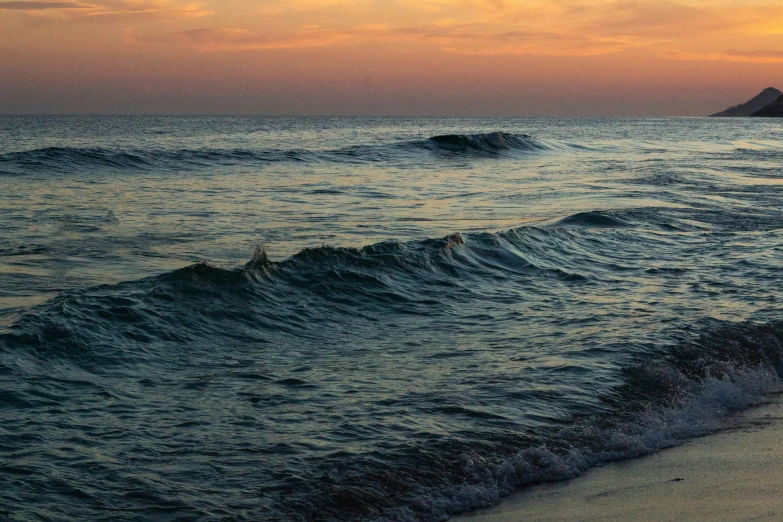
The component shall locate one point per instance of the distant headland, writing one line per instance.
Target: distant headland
(768, 102)
(774, 109)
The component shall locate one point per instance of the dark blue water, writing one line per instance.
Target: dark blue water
(371, 319)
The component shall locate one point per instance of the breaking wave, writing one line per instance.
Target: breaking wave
(489, 144)
(69, 159)
(687, 391)
(149, 349)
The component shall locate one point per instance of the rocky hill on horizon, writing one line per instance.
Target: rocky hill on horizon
(761, 100)
(773, 110)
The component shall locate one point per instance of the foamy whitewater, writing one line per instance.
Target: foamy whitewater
(391, 319)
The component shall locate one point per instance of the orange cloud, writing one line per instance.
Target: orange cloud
(486, 40)
(762, 56)
(226, 39)
(106, 10)
(469, 27)
(40, 6)
(468, 39)
(491, 27)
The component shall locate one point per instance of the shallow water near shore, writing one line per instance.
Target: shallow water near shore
(371, 318)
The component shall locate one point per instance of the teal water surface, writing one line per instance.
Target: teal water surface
(371, 318)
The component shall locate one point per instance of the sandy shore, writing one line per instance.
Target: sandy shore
(729, 476)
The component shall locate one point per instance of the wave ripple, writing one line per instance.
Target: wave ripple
(486, 144)
(69, 159)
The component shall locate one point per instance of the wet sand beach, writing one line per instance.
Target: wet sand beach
(734, 475)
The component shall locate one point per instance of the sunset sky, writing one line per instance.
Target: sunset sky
(430, 57)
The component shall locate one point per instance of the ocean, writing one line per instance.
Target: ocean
(390, 319)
